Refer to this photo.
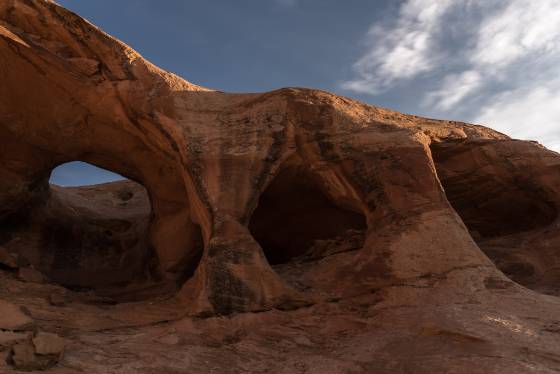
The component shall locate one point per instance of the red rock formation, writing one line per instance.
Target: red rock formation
(355, 231)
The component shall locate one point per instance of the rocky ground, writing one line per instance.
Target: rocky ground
(415, 326)
(398, 329)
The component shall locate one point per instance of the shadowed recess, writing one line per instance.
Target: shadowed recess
(507, 212)
(293, 213)
(98, 237)
(491, 201)
(91, 231)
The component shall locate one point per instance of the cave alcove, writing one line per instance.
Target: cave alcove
(294, 213)
(501, 207)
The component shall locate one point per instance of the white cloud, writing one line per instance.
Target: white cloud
(454, 89)
(520, 47)
(532, 113)
(524, 28)
(497, 63)
(402, 51)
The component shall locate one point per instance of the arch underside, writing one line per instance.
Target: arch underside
(128, 240)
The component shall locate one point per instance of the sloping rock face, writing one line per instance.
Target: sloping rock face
(367, 240)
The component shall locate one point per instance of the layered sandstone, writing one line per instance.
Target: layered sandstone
(367, 240)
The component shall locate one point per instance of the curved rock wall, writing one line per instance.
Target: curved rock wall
(71, 92)
(506, 193)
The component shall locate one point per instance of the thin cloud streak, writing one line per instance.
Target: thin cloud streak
(401, 52)
(454, 89)
(527, 114)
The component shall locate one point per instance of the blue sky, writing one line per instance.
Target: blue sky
(491, 62)
(79, 173)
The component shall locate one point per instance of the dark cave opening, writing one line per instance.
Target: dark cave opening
(491, 200)
(293, 213)
(507, 213)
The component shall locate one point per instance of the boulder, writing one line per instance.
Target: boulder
(24, 357)
(48, 344)
(14, 318)
(9, 338)
(38, 353)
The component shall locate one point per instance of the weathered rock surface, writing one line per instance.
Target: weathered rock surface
(7, 259)
(48, 344)
(39, 353)
(367, 240)
(20, 348)
(13, 317)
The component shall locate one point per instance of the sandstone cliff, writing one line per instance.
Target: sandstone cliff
(288, 231)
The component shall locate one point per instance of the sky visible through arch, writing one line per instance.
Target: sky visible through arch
(78, 173)
(490, 62)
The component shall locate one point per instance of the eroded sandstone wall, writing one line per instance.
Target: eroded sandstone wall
(70, 92)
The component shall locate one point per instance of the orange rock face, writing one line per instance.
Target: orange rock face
(293, 231)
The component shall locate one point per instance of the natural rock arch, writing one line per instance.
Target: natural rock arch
(95, 236)
(102, 237)
(419, 284)
(71, 92)
(78, 239)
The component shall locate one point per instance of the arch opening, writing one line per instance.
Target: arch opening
(505, 212)
(95, 222)
(94, 231)
(295, 218)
